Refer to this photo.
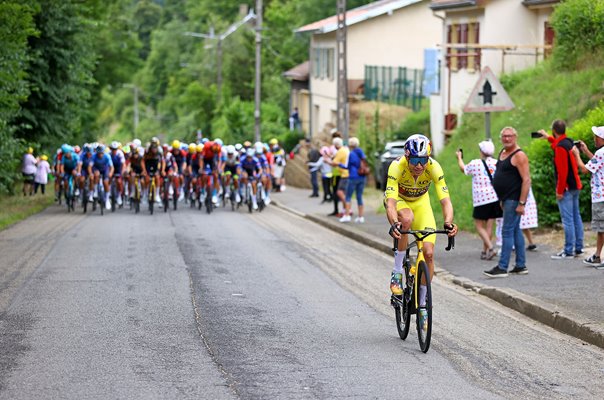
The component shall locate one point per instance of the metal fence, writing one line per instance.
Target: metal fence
(398, 85)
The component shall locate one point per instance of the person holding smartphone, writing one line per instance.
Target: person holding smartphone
(568, 187)
(484, 199)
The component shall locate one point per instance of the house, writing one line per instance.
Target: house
(506, 35)
(299, 97)
(386, 41)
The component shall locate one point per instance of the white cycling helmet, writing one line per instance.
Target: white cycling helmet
(219, 141)
(251, 152)
(238, 146)
(259, 148)
(418, 146)
(230, 149)
(136, 143)
(114, 145)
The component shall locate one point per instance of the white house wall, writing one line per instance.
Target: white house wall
(396, 40)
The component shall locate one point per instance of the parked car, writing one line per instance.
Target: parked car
(391, 152)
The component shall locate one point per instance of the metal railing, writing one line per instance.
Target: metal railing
(398, 85)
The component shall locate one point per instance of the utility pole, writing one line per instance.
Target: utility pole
(220, 38)
(136, 115)
(258, 70)
(342, 110)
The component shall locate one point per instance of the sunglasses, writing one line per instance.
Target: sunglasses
(418, 160)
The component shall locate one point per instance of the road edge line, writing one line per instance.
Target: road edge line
(536, 309)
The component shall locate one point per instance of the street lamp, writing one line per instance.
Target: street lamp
(231, 29)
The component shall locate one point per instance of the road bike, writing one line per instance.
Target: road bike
(69, 194)
(414, 274)
(100, 199)
(151, 193)
(113, 192)
(260, 196)
(85, 194)
(165, 196)
(136, 194)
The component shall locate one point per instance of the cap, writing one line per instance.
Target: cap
(598, 131)
(487, 147)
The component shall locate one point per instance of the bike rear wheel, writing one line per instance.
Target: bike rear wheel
(424, 330)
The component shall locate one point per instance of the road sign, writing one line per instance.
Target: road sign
(488, 95)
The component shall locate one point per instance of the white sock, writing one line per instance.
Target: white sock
(422, 295)
(399, 257)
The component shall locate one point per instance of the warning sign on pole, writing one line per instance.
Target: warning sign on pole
(488, 95)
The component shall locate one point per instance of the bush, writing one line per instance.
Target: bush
(417, 122)
(579, 31)
(11, 151)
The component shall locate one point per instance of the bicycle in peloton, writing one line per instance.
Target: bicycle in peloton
(70, 193)
(408, 303)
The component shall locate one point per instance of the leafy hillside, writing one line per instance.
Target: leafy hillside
(541, 95)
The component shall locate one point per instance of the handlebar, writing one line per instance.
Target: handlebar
(422, 234)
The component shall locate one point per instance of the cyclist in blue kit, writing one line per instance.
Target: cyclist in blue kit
(102, 167)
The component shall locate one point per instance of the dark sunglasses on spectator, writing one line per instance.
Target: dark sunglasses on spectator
(418, 160)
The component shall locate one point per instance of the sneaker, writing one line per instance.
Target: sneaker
(483, 255)
(519, 270)
(345, 218)
(282, 188)
(157, 199)
(396, 283)
(359, 220)
(90, 199)
(532, 247)
(237, 198)
(267, 201)
(181, 197)
(579, 253)
(490, 254)
(423, 319)
(593, 261)
(496, 272)
(255, 206)
(561, 256)
(108, 204)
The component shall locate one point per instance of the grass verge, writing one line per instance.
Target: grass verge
(16, 208)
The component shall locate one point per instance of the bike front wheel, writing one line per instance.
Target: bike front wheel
(424, 314)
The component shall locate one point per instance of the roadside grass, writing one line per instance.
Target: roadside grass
(541, 95)
(16, 208)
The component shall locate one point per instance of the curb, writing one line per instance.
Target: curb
(531, 307)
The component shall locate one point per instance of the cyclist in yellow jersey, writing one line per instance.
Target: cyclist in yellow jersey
(408, 206)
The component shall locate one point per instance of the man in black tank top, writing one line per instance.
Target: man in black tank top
(512, 182)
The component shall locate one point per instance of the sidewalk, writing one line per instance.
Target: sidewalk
(565, 294)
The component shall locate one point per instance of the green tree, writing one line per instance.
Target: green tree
(59, 72)
(16, 26)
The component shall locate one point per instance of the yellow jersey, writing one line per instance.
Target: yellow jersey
(402, 185)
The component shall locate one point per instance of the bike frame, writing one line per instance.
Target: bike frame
(420, 235)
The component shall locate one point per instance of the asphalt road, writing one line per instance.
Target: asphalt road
(232, 305)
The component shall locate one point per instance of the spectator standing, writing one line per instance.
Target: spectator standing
(340, 164)
(512, 182)
(294, 120)
(28, 171)
(42, 172)
(279, 165)
(529, 220)
(485, 200)
(314, 164)
(326, 173)
(356, 182)
(595, 165)
(568, 186)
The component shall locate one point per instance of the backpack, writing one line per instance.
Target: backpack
(364, 169)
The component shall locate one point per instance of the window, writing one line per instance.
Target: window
(463, 58)
(323, 64)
